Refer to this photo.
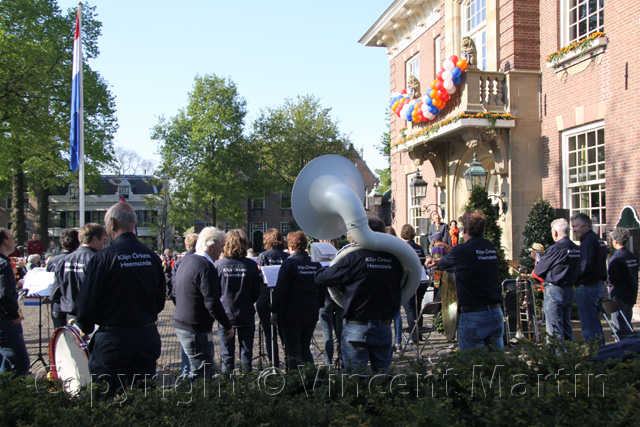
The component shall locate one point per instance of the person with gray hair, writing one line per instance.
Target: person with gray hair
(623, 277)
(590, 288)
(559, 267)
(123, 292)
(197, 299)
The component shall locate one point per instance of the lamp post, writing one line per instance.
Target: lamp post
(476, 174)
(418, 188)
(375, 197)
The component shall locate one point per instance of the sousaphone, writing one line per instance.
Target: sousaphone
(328, 200)
(449, 305)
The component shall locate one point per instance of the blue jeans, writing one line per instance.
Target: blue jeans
(124, 356)
(198, 347)
(367, 343)
(481, 328)
(618, 323)
(13, 349)
(397, 327)
(297, 340)
(558, 301)
(331, 320)
(589, 298)
(244, 334)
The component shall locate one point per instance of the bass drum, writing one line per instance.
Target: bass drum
(69, 359)
(449, 305)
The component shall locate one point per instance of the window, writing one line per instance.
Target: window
(123, 190)
(70, 219)
(285, 199)
(10, 201)
(415, 207)
(583, 18)
(474, 26)
(285, 227)
(258, 203)
(436, 54)
(97, 217)
(585, 172)
(145, 218)
(413, 68)
(73, 191)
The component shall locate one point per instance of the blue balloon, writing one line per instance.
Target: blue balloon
(433, 110)
(456, 80)
(409, 118)
(429, 102)
(456, 72)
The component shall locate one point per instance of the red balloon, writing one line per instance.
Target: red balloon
(453, 59)
(442, 93)
(439, 85)
(403, 92)
(439, 75)
(446, 97)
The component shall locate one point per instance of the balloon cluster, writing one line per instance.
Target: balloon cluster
(428, 106)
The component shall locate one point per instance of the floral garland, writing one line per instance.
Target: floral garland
(579, 45)
(435, 127)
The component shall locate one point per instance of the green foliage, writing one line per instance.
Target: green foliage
(385, 179)
(537, 230)
(287, 137)
(532, 386)
(205, 155)
(479, 200)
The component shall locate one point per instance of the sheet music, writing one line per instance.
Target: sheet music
(270, 275)
(38, 282)
(322, 251)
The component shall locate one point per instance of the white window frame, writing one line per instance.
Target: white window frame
(413, 68)
(569, 9)
(594, 173)
(258, 203)
(285, 227)
(124, 191)
(414, 212)
(283, 195)
(474, 25)
(255, 226)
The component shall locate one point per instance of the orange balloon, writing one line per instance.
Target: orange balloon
(433, 84)
(462, 64)
(433, 94)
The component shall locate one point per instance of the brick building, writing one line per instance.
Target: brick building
(563, 106)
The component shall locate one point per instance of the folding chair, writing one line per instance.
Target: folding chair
(609, 307)
(432, 308)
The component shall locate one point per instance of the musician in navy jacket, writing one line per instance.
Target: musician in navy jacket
(623, 276)
(559, 267)
(297, 301)
(240, 282)
(274, 254)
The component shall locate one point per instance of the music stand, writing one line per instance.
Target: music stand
(41, 300)
(38, 282)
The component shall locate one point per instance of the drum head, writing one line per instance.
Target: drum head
(69, 359)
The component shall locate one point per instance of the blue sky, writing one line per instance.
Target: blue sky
(272, 50)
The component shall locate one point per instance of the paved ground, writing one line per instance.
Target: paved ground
(169, 361)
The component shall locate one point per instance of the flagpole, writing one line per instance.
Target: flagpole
(81, 116)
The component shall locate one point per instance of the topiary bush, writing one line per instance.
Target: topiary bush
(537, 230)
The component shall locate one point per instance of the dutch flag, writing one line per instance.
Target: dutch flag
(76, 136)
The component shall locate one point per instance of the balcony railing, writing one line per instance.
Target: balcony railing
(486, 89)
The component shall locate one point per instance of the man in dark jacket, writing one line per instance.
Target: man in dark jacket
(69, 243)
(593, 272)
(12, 347)
(559, 267)
(623, 276)
(70, 271)
(123, 292)
(197, 297)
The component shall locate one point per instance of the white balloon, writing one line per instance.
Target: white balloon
(448, 84)
(448, 65)
(429, 115)
(451, 90)
(403, 112)
(446, 75)
(394, 94)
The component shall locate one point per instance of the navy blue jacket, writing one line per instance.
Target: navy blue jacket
(593, 262)
(124, 286)
(8, 293)
(297, 297)
(174, 271)
(416, 247)
(272, 257)
(370, 281)
(475, 266)
(560, 265)
(623, 275)
(70, 277)
(197, 291)
(240, 283)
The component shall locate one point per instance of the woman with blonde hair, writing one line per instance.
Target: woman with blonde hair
(240, 283)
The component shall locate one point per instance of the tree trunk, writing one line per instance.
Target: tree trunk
(42, 217)
(17, 207)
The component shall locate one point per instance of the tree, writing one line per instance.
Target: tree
(479, 200)
(287, 137)
(537, 230)
(385, 149)
(128, 162)
(205, 154)
(36, 42)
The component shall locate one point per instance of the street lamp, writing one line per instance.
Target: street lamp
(476, 174)
(418, 188)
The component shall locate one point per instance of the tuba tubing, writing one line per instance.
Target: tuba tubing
(330, 196)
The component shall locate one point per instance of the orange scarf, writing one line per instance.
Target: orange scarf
(453, 232)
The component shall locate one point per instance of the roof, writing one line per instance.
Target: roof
(140, 184)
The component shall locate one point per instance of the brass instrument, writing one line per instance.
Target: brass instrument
(525, 309)
(449, 304)
(520, 281)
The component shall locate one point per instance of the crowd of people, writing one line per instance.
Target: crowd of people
(121, 288)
